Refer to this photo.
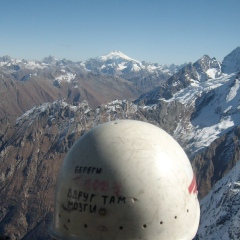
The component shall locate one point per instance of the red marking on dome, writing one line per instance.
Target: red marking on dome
(193, 186)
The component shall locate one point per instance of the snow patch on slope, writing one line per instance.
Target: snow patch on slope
(233, 91)
(219, 114)
(65, 77)
(213, 73)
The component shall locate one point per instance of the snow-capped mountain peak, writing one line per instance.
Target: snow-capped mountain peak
(117, 63)
(17, 64)
(207, 67)
(117, 55)
(7, 61)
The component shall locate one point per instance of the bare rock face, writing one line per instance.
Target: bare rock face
(30, 162)
(16, 97)
(217, 160)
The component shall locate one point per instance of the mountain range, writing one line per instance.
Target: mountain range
(46, 106)
(25, 84)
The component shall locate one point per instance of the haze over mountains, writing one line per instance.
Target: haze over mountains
(46, 106)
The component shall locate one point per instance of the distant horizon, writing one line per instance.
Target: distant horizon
(154, 31)
(40, 60)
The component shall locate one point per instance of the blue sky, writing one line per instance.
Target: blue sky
(161, 31)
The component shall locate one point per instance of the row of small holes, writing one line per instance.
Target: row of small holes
(145, 226)
(121, 227)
